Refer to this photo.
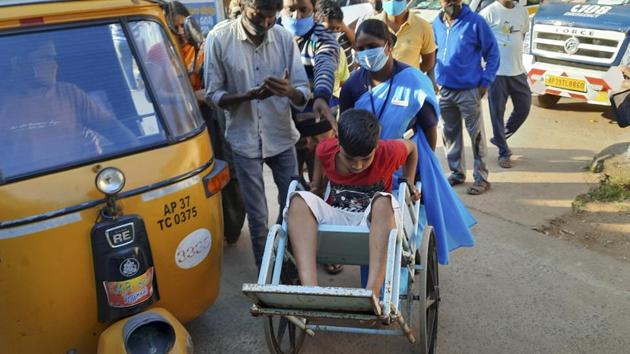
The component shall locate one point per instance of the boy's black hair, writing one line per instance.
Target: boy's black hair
(263, 4)
(326, 10)
(378, 29)
(358, 132)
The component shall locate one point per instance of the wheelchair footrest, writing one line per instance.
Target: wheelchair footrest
(333, 299)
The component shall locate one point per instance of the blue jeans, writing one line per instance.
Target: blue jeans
(504, 87)
(249, 172)
(457, 106)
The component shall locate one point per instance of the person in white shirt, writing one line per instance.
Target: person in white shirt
(254, 71)
(509, 22)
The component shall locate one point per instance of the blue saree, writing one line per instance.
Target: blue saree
(410, 90)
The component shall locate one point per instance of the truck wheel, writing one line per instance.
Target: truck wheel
(233, 211)
(546, 101)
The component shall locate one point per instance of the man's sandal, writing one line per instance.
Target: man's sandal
(505, 162)
(479, 187)
(453, 181)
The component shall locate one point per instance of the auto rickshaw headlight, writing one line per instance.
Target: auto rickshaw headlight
(110, 181)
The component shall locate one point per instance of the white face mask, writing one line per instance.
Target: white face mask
(373, 59)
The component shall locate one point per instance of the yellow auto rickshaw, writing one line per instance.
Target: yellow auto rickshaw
(111, 224)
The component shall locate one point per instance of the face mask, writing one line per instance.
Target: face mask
(372, 59)
(394, 8)
(253, 28)
(378, 5)
(452, 9)
(298, 27)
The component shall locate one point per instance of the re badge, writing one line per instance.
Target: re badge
(120, 235)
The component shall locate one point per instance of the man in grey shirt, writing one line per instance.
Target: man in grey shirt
(254, 72)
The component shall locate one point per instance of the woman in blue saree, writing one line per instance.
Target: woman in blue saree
(403, 100)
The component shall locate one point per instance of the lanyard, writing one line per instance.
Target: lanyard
(389, 91)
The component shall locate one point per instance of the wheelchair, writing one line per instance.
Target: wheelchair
(410, 297)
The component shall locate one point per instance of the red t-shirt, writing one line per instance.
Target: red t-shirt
(354, 192)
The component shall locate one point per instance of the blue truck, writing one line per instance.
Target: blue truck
(575, 50)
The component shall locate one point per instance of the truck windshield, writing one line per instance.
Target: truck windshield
(72, 96)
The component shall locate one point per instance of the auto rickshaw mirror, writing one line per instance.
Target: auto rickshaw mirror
(620, 102)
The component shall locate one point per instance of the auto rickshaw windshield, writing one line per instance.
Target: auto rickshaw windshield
(71, 96)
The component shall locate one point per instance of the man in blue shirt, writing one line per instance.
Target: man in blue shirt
(463, 39)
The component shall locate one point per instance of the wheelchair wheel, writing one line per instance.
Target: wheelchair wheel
(282, 336)
(426, 295)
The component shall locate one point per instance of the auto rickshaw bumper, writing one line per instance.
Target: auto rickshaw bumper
(154, 329)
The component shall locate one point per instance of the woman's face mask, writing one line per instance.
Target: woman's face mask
(298, 26)
(373, 59)
(394, 7)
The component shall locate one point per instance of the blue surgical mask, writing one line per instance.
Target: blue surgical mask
(372, 59)
(394, 7)
(298, 27)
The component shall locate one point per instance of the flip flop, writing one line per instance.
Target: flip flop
(453, 181)
(333, 268)
(505, 162)
(479, 187)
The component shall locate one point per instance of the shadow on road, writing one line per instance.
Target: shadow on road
(582, 107)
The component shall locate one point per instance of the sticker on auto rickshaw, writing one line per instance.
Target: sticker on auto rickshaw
(130, 292)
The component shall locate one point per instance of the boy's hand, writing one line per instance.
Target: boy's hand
(415, 193)
(315, 189)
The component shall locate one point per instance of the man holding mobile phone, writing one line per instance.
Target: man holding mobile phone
(254, 72)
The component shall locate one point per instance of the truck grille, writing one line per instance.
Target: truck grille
(576, 44)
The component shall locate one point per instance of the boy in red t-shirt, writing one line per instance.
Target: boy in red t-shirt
(359, 169)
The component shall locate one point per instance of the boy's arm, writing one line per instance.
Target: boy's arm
(319, 181)
(409, 168)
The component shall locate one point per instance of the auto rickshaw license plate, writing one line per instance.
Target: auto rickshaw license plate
(565, 83)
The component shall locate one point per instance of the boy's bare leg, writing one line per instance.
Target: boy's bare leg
(381, 223)
(303, 235)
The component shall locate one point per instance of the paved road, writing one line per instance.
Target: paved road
(517, 291)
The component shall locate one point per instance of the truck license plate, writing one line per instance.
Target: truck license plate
(565, 83)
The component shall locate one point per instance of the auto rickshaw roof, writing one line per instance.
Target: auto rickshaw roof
(16, 13)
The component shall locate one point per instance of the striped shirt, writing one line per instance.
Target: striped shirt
(320, 56)
(346, 46)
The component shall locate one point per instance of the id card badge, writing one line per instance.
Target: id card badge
(400, 103)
